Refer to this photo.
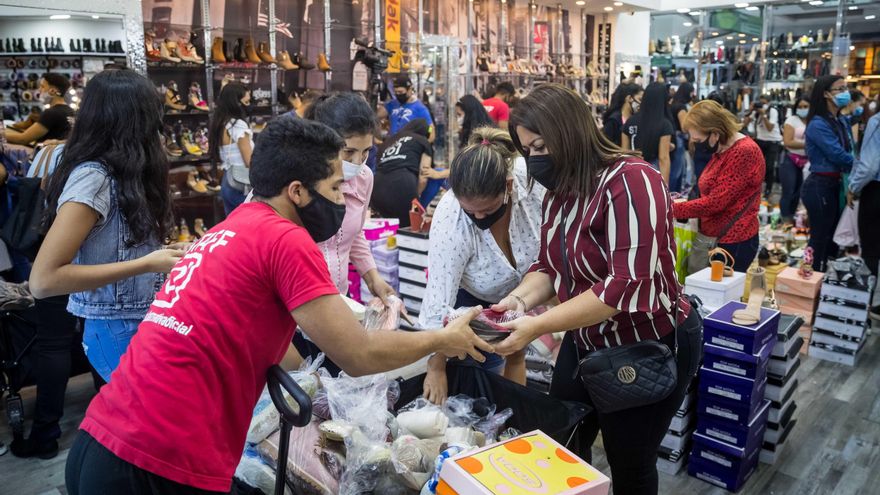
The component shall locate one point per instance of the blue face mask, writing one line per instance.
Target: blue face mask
(842, 99)
(858, 111)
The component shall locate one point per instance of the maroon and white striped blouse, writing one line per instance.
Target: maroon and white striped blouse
(620, 244)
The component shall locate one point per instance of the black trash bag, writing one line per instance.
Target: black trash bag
(532, 410)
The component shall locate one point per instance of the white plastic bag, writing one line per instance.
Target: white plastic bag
(847, 232)
(266, 418)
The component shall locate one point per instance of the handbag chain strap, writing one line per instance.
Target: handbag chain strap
(738, 215)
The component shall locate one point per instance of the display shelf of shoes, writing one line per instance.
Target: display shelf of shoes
(60, 54)
(199, 113)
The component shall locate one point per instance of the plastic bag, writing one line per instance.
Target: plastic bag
(266, 418)
(847, 232)
(381, 317)
(423, 419)
(256, 473)
(306, 467)
(487, 324)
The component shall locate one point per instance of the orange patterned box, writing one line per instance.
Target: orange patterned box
(791, 283)
(529, 463)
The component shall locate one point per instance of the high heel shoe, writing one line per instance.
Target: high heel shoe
(263, 53)
(250, 53)
(751, 315)
(720, 268)
(195, 97)
(201, 137)
(217, 54)
(193, 183)
(172, 98)
(186, 140)
(187, 53)
(171, 147)
(153, 54)
(323, 64)
(199, 227)
(284, 61)
(166, 51)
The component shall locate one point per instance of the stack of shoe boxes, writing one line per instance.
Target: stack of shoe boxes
(781, 385)
(379, 233)
(672, 455)
(842, 321)
(796, 295)
(731, 409)
(413, 247)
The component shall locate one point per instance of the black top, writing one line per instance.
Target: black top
(404, 152)
(57, 119)
(676, 109)
(631, 129)
(612, 127)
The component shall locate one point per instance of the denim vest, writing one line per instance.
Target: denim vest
(107, 243)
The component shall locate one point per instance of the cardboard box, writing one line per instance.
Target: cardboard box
(714, 294)
(779, 405)
(843, 311)
(774, 430)
(529, 463)
(723, 454)
(682, 423)
(770, 453)
(413, 274)
(797, 305)
(676, 441)
(738, 363)
(671, 462)
(806, 332)
(777, 388)
(851, 328)
(776, 413)
(726, 387)
(413, 258)
(718, 475)
(718, 329)
(790, 283)
(413, 241)
(781, 366)
(833, 290)
(821, 351)
(821, 336)
(739, 435)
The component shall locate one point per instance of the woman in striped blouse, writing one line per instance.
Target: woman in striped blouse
(608, 252)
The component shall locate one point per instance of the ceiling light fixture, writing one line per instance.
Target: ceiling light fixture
(754, 39)
(719, 42)
(608, 9)
(580, 2)
(741, 5)
(741, 35)
(852, 48)
(870, 17)
(683, 11)
(59, 17)
(753, 8)
(742, 42)
(688, 24)
(729, 37)
(816, 3)
(714, 33)
(853, 7)
(618, 4)
(95, 16)
(694, 12)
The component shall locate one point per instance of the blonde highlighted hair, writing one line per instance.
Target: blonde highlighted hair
(708, 116)
(481, 169)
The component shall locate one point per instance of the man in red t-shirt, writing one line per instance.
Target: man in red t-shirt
(498, 106)
(175, 415)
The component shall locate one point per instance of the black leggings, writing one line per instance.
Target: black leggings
(94, 470)
(393, 193)
(631, 437)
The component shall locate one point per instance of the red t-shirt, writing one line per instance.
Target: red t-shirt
(497, 109)
(181, 400)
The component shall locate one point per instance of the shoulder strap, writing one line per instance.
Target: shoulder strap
(42, 170)
(739, 214)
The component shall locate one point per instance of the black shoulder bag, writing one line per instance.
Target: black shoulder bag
(626, 376)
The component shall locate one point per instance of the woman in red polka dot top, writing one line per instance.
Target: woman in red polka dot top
(730, 187)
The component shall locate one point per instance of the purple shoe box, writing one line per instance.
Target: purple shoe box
(719, 329)
(736, 435)
(729, 410)
(753, 367)
(731, 388)
(714, 463)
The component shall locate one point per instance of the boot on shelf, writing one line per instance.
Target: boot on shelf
(195, 97)
(300, 60)
(323, 64)
(150, 45)
(172, 98)
(250, 53)
(187, 54)
(263, 53)
(217, 55)
(284, 61)
(238, 51)
(34, 46)
(168, 51)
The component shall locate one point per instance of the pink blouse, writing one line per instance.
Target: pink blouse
(349, 243)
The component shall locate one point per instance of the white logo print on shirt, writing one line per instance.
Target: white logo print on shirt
(183, 271)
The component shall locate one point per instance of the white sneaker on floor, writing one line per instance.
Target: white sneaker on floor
(3, 448)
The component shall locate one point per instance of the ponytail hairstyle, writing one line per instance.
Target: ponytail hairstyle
(482, 168)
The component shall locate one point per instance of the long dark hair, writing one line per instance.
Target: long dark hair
(684, 94)
(579, 151)
(618, 98)
(227, 107)
(348, 114)
(475, 116)
(653, 113)
(818, 103)
(118, 125)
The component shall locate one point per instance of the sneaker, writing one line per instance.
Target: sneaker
(29, 448)
(874, 313)
(3, 448)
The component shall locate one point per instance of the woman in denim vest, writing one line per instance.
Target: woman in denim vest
(108, 210)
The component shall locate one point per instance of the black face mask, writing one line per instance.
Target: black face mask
(322, 218)
(541, 169)
(703, 147)
(402, 99)
(490, 219)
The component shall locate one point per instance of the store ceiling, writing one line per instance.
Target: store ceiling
(27, 12)
(600, 6)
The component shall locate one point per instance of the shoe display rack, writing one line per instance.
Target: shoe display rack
(22, 64)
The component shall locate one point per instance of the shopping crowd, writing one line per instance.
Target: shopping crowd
(541, 205)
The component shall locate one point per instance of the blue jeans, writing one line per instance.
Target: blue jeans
(430, 192)
(792, 179)
(743, 252)
(676, 167)
(105, 341)
(821, 196)
(232, 197)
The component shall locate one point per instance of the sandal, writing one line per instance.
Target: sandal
(725, 267)
(751, 315)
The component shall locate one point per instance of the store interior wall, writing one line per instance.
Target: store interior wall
(27, 28)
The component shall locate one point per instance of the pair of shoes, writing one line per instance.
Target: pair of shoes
(25, 448)
(173, 101)
(195, 97)
(751, 315)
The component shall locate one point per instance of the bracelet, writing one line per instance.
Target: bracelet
(520, 300)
